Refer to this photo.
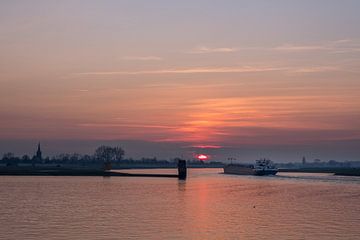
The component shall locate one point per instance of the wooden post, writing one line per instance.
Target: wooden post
(182, 169)
(107, 166)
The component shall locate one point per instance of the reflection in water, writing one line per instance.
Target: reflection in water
(206, 206)
(182, 185)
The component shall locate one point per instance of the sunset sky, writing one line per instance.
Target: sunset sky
(244, 79)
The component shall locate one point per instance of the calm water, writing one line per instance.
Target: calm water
(207, 206)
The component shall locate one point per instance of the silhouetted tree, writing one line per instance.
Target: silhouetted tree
(10, 159)
(119, 153)
(26, 159)
(8, 156)
(109, 154)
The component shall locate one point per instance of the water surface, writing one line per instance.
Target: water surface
(208, 205)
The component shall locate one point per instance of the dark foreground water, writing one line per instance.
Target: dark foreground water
(207, 206)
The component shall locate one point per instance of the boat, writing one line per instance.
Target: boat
(260, 168)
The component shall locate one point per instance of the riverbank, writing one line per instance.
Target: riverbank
(57, 171)
(335, 171)
(98, 171)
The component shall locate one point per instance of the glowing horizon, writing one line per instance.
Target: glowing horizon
(157, 72)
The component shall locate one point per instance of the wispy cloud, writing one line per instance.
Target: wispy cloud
(205, 146)
(112, 125)
(213, 121)
(336, 46)
(220, 70)
(298, 48)
(200, 50)
(243, 69)
(340, 41)
(142, 58)
(316, 69)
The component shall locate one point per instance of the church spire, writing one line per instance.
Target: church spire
(38, 152)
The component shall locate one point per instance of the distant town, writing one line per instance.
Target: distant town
(115, 155)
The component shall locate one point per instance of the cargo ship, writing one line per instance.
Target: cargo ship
(260, 168)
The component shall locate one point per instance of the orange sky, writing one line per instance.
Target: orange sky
(217, 75)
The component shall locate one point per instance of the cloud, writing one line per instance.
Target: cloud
(200, 50)
(340, 41)
(336, 46)
(143, 58)
(205, 146)
(112, 125)
(316, 69)
(217, 121)
(299, 48)
(341, 45)
(195, 70)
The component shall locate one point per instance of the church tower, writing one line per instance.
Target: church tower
(38, 153)
(304, 160)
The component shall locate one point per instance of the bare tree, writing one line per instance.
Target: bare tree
(119, 153)
(109, 154)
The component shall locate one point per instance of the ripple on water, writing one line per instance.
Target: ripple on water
(206, 206)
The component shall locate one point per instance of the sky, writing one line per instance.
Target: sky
(240, 79)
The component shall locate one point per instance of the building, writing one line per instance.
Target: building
(304, 161)
(38, 155)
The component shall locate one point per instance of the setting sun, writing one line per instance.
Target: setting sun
(233, 119)
(202, 157)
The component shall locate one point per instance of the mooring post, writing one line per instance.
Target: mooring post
(182, 169)
(107, 166)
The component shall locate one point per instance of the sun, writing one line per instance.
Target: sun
(202, 157)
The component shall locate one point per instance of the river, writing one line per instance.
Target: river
(208, 205)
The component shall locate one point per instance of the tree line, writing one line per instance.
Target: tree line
(102, 154)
